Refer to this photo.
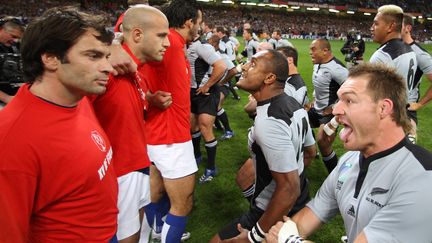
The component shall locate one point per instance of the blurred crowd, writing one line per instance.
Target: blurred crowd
(291, 24)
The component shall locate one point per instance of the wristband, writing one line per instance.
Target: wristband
(256, 234)
(288, 232)
(294, 239)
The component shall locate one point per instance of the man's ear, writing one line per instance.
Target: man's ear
(270, 78)
(188, 24)
(290, 60)
(50, 61)
(386, 107)
(137, 34)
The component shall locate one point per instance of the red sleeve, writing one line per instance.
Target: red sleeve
(16, 202)
(119, 22)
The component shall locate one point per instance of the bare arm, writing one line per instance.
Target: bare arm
(309, 155)
(217, 73)
(250, 107)
(361, 238)
(425, 99)
(307, 222)
(231, 73)
(5, 98)
(121, 61)
(283, 198)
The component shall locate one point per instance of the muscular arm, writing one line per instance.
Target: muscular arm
(121, 61)
(309, 155)
(217, 73)
(307, 222)
(231, 73)
(426, 98)
(283, 198)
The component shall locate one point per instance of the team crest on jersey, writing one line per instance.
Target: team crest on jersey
(342, 177)
(98, 140)
(351, 211)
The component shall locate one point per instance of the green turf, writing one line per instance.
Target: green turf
(220, 201)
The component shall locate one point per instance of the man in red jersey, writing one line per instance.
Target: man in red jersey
(56, 175)
(121, 113)
(170, 146)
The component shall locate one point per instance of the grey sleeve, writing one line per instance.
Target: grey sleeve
(228, 63)
(207, 53)
(309, 139)
(255, 45)
(324, 204)
(406, 217)
(424, 61)
(381, 57)
(274, 138)
(340, 74)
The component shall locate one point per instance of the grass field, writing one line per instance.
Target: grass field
(219, 202)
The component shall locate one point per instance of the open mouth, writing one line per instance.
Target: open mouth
(345, 132)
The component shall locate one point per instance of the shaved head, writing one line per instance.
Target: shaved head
(146, 32)
(323, 43)
(264, 46)
(141, 16)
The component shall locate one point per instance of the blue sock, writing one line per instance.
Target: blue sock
(173, 228)
(163, 208)
(150, 211)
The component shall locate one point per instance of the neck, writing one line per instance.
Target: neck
(388, 135)
(52, 90)
(136, 52)
(392, 35)
(292, 69)
(183, 32)
(328, 58)
(408, 39)
(267, 93)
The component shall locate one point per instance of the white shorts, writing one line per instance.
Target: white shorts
(133, 194)
(173, 160)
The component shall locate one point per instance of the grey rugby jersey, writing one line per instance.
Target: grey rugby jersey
(201, 56)
(251, 48)
(395, 53)
(296, 88)
(276, 141)
(327, 79)
(387, 195)
(424, 66)
(283, 43)
(226, 46)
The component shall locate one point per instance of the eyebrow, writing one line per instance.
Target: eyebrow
(348, 93)
(97, 52)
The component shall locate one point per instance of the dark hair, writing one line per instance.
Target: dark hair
(385, 82)
(277, 64)
(180, 11)
(210, 25)
(408, 20)
(249, 31)
(55, 32)
(289, 51)
(214, 39)
(12, 23)
(278, 31)
(228, 31)
(221, 29)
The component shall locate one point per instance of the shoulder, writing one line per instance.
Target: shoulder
(396, 48)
